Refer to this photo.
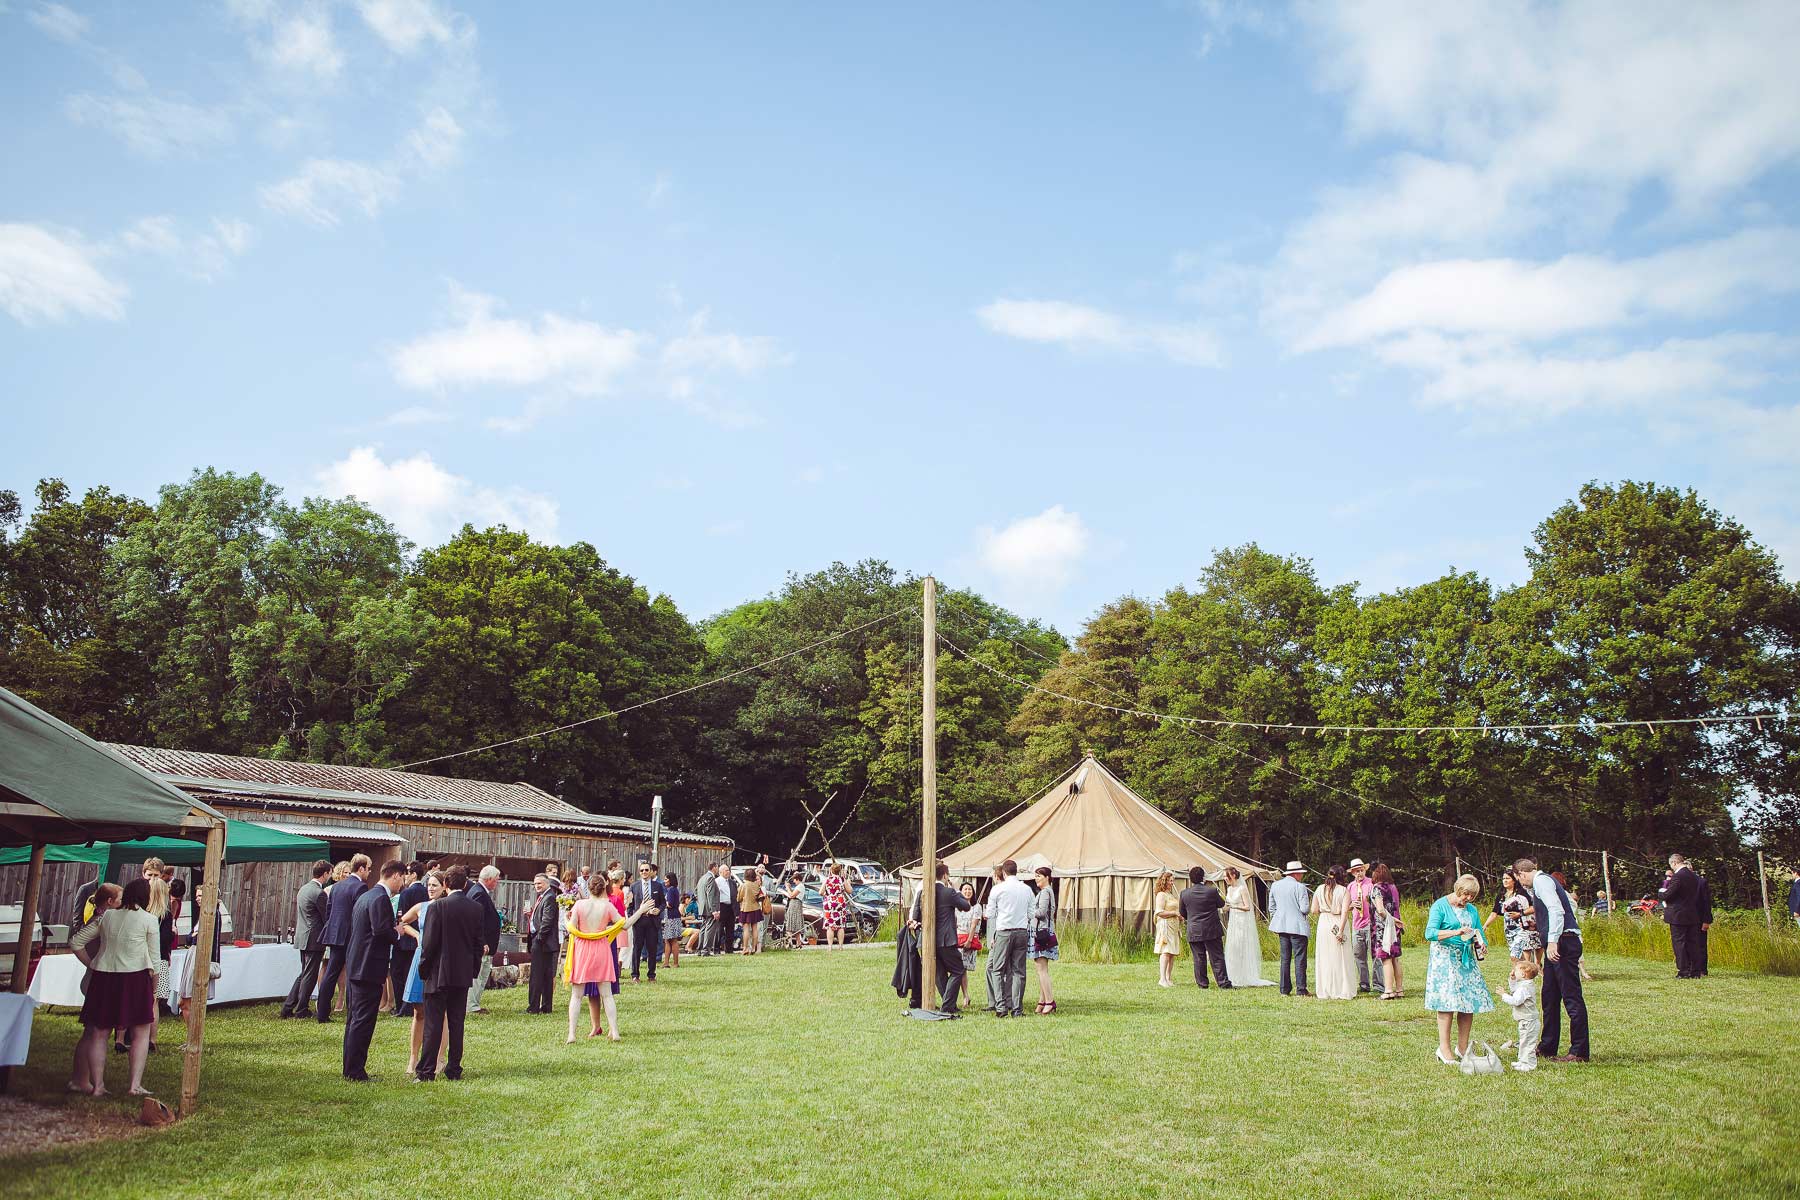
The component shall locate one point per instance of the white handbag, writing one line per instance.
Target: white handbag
(1485, 1063)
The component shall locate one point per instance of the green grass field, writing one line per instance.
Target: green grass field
(795, 1074)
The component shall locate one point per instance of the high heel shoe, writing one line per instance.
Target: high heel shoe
(1050, 1008)
(1448, 1062)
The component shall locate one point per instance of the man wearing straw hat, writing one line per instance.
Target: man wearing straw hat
(1289, 904)
(1361, 927)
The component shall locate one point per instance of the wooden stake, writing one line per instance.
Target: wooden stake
(928, 782)
(1606, 878)
(1761, 877)
(34, 877)
(205, 928)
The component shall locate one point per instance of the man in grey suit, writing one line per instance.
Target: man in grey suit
(950, 901)
(309, 940)
(1289, 905)
(1201, 905)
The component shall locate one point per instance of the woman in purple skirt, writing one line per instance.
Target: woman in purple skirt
(121, 987)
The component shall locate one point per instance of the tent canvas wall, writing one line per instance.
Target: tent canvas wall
(1105, 844)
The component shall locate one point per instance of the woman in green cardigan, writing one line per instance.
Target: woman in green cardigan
(1453, 983)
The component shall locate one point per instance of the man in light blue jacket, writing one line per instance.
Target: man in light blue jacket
(1289, 903)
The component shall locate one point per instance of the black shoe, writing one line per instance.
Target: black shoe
(286, 1015)
(305, 1014)
(1225, 987)
(1001, 1012)
(359, 1079)
(1303, 992)
(453, 1078)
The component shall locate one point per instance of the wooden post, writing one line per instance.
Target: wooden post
(1606, 878)
(34, 878)
(205, 929)
(928, 783)
(1458, 871)
(1761, 877)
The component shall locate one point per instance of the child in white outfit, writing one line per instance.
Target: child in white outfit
(1521, 994)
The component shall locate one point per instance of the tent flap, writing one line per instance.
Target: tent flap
(245, 842)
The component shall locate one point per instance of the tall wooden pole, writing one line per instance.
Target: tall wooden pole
(1606, 878)
(205, 928)
(928, 835)
(1761, 877)
(34, 877)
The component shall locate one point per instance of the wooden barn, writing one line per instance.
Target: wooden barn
(386, 814)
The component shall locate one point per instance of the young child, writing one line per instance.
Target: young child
(1521, 994)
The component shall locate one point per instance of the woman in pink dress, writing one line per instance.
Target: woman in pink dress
(593, 971)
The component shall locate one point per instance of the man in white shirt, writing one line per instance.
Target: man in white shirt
(1009, 918)
(1561, 982)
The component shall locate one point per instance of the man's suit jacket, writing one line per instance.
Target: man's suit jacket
(658, 895)
(450, 951)
(1703, 899)
(1680, 896)
(706, 895)
(1289, 905)
(1201, 905)
(490, 916)
(949, 903)
(545, 922)
(344, 895)
(373, 932)
(310, 913)
(411, 896)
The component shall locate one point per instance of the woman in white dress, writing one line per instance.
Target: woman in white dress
(1166, 912)
(1337, 957)
(1243, 945)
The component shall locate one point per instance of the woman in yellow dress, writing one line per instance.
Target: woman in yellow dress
(1166, 913)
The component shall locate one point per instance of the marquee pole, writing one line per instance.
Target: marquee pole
(928, 784)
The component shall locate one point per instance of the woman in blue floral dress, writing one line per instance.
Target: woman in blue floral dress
(1453, 983)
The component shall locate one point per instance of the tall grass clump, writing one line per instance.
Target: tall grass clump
(1738, 939)
(1104, 942)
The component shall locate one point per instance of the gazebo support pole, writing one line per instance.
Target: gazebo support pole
(928, 782)
(34, 878)
(205, 926)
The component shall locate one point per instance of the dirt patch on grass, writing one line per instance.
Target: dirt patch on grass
(27, 1128)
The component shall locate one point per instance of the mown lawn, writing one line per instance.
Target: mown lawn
(794, 1074)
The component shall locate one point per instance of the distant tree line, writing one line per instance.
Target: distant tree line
(222, 617)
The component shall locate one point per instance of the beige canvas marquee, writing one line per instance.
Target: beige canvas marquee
(1105, 844)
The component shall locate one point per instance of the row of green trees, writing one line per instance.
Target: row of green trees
(223, 617)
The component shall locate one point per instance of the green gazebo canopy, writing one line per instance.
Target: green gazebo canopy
(245, 842)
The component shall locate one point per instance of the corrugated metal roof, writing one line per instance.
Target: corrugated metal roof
(374, 791)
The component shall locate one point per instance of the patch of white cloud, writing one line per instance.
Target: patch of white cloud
(297, 42)
(325, 187)
(555, 357)
(1036, 556)
(1080, 326)
(52, 275)
(415, 415)
(154, 126)
(429, 503)
(436, 143)
(59, 22)
(205, 255)
(405, 26)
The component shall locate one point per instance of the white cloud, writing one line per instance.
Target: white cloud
(559, 357)
(204, 256)
(428, 503)
(56, 21)
(1573, 294)
(50, 276)
(659, 189)
(436, 143)
(1035, 555)
(406, 25)
(485, 350)
(302, 43)
(1077, 325)
(154, 126)
(326, 186)
(416, 414)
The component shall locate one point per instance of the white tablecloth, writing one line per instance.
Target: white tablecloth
(245, 973)
(15, 1028)
(57, 980)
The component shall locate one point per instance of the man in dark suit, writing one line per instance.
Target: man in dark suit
(373, 932)
(1201, 905)
(310, 913)
(344, 895)
(950, 969)
(541, 934)
(414, 893)
(449, 956)
(646, 931)
(482, 893)
(1681, 909)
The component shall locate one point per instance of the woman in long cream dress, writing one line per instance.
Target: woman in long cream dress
(1166, 912)
(1243, 944)
(1337, 957)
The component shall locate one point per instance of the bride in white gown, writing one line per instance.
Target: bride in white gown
(1243, 945)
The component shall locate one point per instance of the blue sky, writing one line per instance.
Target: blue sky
(1051, 300)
